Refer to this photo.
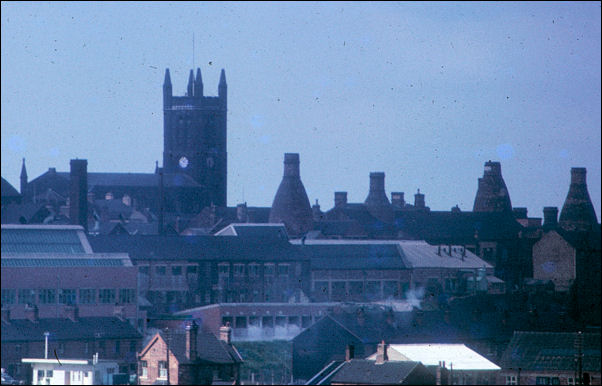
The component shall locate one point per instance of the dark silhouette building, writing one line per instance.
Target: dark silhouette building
(194, 135)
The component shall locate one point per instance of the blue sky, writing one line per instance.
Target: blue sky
(425, 92)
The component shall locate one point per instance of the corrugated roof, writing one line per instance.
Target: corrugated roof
(40, 239)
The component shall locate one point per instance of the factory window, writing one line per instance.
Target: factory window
(239, 270)
(67, 296)
(282, 269)
(87, 296)
(223, 269)
(390, 289)
(241, 322)
(27, 296)
(61, 349)
(268, 269)
(176, 270)
(511, 380)
(373, 289)
(8, 296)
(143, 269)
(191, 270)
(47, 296)
(298, 269)
(106, 295)
(161, 270)
(253, 270)
(570, 381)
(127, 295)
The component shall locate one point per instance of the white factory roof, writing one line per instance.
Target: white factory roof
(456, 356)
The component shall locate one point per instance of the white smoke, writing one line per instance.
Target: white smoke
(414, 297)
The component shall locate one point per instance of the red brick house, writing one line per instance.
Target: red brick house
(189, 357)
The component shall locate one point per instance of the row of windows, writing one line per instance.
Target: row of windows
(238, 270)
(68, 296)
(176, 270)
(512, 380)
(269, 269)
(161, 371)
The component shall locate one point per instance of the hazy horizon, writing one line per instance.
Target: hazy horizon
(425, 92)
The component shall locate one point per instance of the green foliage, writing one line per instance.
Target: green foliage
(266, 359)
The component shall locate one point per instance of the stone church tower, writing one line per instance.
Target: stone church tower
(194, 135)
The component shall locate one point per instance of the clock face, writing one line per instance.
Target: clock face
(183, 162)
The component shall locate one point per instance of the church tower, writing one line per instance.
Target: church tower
(194, 135)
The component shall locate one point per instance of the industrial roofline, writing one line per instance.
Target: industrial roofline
(43, 227)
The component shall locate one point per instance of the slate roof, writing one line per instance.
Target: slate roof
(144, 247)
(30, 212)
(362, 371)
(355, 256)
(89, 328)
(399, 327)
(210, 349)
(42, 239)
(354, 220)
(8, 190)
(551, 351)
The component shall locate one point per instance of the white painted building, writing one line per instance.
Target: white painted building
(72, 371)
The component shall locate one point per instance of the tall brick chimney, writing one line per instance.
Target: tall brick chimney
(191, 341)
(78, 194)
(225, 333)
(242, 215)
(550, 217)
(419, 200)
(381, 353)
(340, 198)
(349, 352)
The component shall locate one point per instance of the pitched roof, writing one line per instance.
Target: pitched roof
(209, 348)
(533, 351)
(362, 371)
(458, 355)
(8, 190)
(373, 326)
(23, 330)
(66, 260)
(28, 212)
